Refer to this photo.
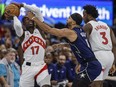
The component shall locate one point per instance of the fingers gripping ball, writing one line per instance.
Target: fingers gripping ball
(12, 10)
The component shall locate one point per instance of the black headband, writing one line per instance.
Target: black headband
(77, 18)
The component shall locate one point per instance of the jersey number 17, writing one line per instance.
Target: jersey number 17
(35, 49)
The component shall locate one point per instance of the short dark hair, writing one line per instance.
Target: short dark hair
(77, 18)
(92, 10)
(10, 50)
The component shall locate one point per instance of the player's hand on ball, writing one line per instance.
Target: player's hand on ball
(18, 5)
(10, 11)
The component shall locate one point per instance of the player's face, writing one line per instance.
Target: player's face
(85, 17)
(28, 23)
(69, 21)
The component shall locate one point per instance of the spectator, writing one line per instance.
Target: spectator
(16, 43)
(61, 74)
(2, 51)
(9, 70)
(51, 68)
(70, 65)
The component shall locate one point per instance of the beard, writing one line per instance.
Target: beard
(29, 27)
(12, 61)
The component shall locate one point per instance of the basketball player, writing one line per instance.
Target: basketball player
(102, 41)
(90, 67)
(33, 45)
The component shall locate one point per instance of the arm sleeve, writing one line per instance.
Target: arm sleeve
(18, 27)
(35, 10)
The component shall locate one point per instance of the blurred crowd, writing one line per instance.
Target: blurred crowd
(61, 61)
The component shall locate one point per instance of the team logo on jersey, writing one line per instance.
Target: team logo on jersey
(33, 39)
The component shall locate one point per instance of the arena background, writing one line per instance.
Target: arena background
(55, 11)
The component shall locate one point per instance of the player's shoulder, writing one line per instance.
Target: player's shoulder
(91, 22)
(103, 23)
(87, 26)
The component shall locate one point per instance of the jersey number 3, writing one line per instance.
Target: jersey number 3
(35, 49)
(103, 34)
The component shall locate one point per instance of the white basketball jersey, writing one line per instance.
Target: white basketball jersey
(33, 46)
(100, 36)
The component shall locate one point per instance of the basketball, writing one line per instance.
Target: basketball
(13, 10)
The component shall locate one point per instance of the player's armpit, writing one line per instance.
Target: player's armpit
(71, 35)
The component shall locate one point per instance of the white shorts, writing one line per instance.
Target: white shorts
(106, 59)
(36, 71)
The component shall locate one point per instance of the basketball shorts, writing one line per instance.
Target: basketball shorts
(87, 74)
(32, 72)
(106, 59)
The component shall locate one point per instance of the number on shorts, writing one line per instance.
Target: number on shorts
(35, 49)
(104, 37)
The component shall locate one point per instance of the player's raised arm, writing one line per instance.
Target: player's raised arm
(17, 26)
(65, 32)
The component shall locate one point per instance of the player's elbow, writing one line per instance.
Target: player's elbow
(18, 30)
(19, 34)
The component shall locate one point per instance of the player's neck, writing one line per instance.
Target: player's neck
(92, 19)
(31, 30)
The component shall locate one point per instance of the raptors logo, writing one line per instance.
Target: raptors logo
(33, 39)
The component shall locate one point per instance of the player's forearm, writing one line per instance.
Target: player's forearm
(18, 27)
(46, 28)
